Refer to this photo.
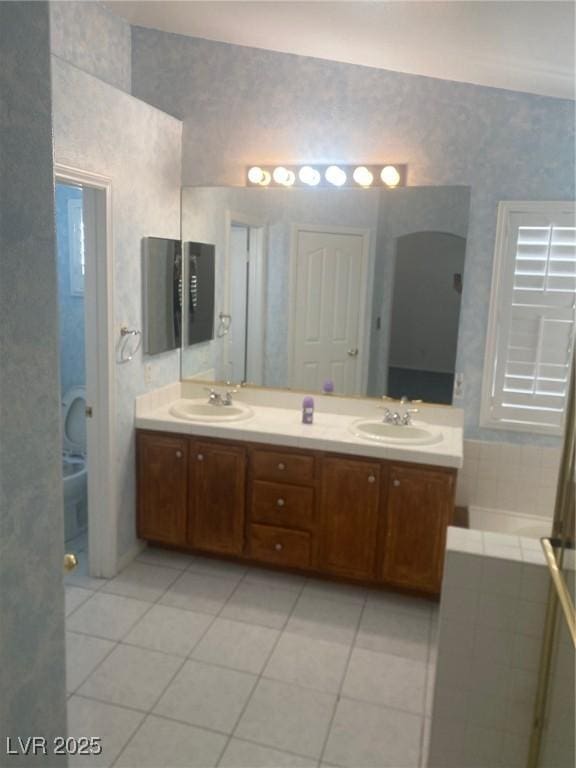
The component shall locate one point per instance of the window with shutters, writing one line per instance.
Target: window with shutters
(531, 324)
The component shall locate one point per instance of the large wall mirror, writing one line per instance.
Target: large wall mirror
(359, 287)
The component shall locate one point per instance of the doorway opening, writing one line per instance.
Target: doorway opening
(425, 314)
(83, 233)
(246, 283)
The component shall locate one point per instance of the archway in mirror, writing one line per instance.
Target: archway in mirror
(424, 316)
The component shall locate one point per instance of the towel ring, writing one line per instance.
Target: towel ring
(126, 334)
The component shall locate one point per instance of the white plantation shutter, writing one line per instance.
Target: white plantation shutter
(532, 318)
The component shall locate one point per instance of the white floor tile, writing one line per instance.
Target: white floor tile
(287, 717)
(142, 582)
(237, 645)
(308, 662)
(244, 754)
(108, 616)
(207, 696)
(83, 654)
(368, 736)
(401, 634)
(131, 676)
(161, 743)
(392, 681)
(274, 579)
(199, 592)
(113, 725)
(220, 568)
(398, 603)
(165, 557)
(325, 619)
(75, 596)
(332, 591)
(170, 630)
(259, 604)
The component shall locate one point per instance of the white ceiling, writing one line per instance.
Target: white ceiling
(523, 46)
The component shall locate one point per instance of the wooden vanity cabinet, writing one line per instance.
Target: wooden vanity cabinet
(162, 487)
(216, 497)
(350, 503)
(368, 520)
(419, 508)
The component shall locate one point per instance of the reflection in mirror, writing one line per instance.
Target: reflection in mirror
(360, 287)
(199, 298)
(162, 273)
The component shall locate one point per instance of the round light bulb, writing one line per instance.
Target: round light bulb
(363, 176)
(390, 176)
(266, 179)
(309, 176)
(335, 175)
(256, 174)
(284, 176)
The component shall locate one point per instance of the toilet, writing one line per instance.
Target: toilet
(74, 471)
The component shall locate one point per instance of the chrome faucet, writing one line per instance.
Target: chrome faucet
(219, 399)
(399, 418)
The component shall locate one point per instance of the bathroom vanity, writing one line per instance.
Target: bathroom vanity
(315, 498)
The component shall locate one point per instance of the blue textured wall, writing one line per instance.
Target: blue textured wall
(32, 676)
(71, 308)
(88, 35)
(243, 105)
(101, 129)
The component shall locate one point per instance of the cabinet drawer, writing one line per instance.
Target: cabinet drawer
(278, 504)
(279, 545)
(283, 467)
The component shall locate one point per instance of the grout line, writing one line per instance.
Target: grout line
(427, 680)
(259, 677)
(341, 686)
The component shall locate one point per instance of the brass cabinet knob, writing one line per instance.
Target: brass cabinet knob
(281, 466)
(396, 483)
(178, 454)
(200, 457)
(278, 547)
(371, 479)
(280, 503)
(70, 561)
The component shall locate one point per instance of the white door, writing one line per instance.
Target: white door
(327, 312)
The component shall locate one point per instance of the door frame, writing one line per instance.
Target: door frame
(100, 376)
(367, 269)
(252, 223)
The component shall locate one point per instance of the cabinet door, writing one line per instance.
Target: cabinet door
(350, 500)
(217, 497)
(420, 507)
(162, 488)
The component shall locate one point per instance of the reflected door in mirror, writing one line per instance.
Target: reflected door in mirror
(326, 311)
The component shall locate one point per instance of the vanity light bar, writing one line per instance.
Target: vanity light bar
(387, 175)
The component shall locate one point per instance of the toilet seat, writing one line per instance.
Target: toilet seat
(74, 421)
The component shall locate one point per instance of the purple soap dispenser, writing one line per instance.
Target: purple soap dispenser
(308, 410)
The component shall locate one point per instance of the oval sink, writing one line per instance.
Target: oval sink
(412, 434)
(200, 410)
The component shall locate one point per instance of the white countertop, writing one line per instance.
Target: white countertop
(330, 431)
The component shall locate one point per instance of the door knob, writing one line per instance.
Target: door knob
(280, 503)
(70, 561)
(200, 457)
(353, 353)
(371, 479)
(278, 547)
(281, 466)
(178, 454)
(396, 483)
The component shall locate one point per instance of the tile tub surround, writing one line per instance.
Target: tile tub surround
(277, 421)
(490, 625)
(509, 477)
(318, 675)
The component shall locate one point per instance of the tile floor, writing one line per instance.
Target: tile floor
(183, 661)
